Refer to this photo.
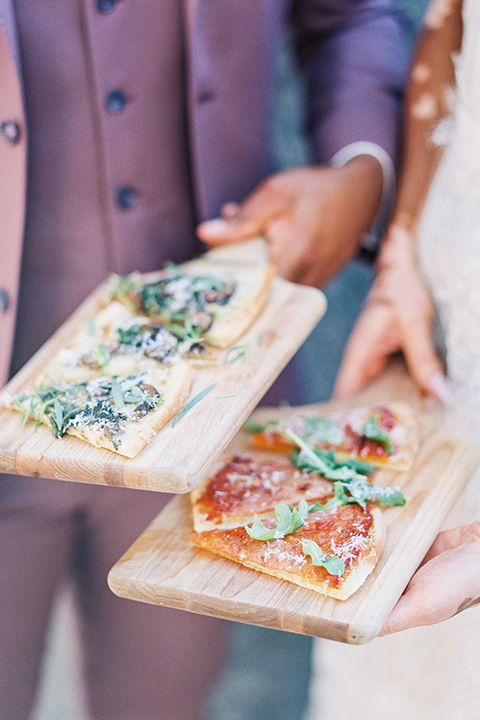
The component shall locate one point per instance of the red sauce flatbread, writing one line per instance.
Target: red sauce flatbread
(394, 421)
(351, 533)
(245, 488)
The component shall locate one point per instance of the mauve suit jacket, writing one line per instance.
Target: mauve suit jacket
(354, 56)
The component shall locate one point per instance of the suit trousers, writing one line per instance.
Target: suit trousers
(140, 662)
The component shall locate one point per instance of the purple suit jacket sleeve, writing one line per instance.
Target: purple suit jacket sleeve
(354, 54)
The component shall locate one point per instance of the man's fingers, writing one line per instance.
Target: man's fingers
(251, 217)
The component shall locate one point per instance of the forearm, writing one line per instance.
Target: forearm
(431, 75)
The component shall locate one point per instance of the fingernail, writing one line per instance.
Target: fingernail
(217, 226)
(441, 388)
(230, 210)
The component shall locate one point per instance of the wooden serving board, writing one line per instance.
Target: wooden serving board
(177, 457)
(164, 568)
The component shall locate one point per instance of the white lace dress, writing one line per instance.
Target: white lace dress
(432, 673)
(449, 233)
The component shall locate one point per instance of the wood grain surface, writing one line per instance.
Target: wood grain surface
(178, 457)
(164, 568)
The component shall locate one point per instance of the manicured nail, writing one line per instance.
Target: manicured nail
(217, 226)
(440, 387)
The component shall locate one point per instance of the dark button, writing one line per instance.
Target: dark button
(4, 301)
(115, 101)
(106, 6)
(127, 197)
(10, 131)
(205, 96)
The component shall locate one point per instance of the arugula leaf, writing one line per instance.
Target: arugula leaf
(322, 429)
(288, 517)
(332, 564)
(239, 350)
(255, 428)
(258, 531)
(363, 492)
(339, 499)
(193, 402)
(117, 394)
(360, 467)
(314, 460)
(354, 483)
(57, 406)
(373, 431)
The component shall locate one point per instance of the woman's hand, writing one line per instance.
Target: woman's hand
(397, 316)
(447, 582)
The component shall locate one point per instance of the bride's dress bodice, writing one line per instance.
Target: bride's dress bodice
(449, 231)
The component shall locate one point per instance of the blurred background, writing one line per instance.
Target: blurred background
(272, 695)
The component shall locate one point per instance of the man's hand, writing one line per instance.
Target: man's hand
(313, 218)
(398, 316)
(447, 582)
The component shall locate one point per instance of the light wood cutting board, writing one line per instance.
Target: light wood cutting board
(164, 568)
(178, 457)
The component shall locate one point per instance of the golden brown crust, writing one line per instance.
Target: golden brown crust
(232, 321)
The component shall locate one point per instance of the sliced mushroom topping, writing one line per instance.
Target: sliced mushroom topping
(201, 320)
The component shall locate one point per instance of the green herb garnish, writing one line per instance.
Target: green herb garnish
(117, 394)
(373, 431)
(235, 353)
(254, 428)
(354, 482)
(193, 402)
(314, 460)
(288, 517)
(322, 429)
(332, 564)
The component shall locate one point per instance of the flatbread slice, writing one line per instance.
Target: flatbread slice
(220, 298)
(351, 533)
(383, 435)
(244, 489)
(121, 414)
(117, 342)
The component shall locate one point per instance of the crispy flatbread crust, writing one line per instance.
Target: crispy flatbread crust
(231, 321)
(284, 559)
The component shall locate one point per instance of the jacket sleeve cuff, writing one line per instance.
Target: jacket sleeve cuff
(372, 238)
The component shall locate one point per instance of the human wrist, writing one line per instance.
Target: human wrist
(373, 158)
(399, 245)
